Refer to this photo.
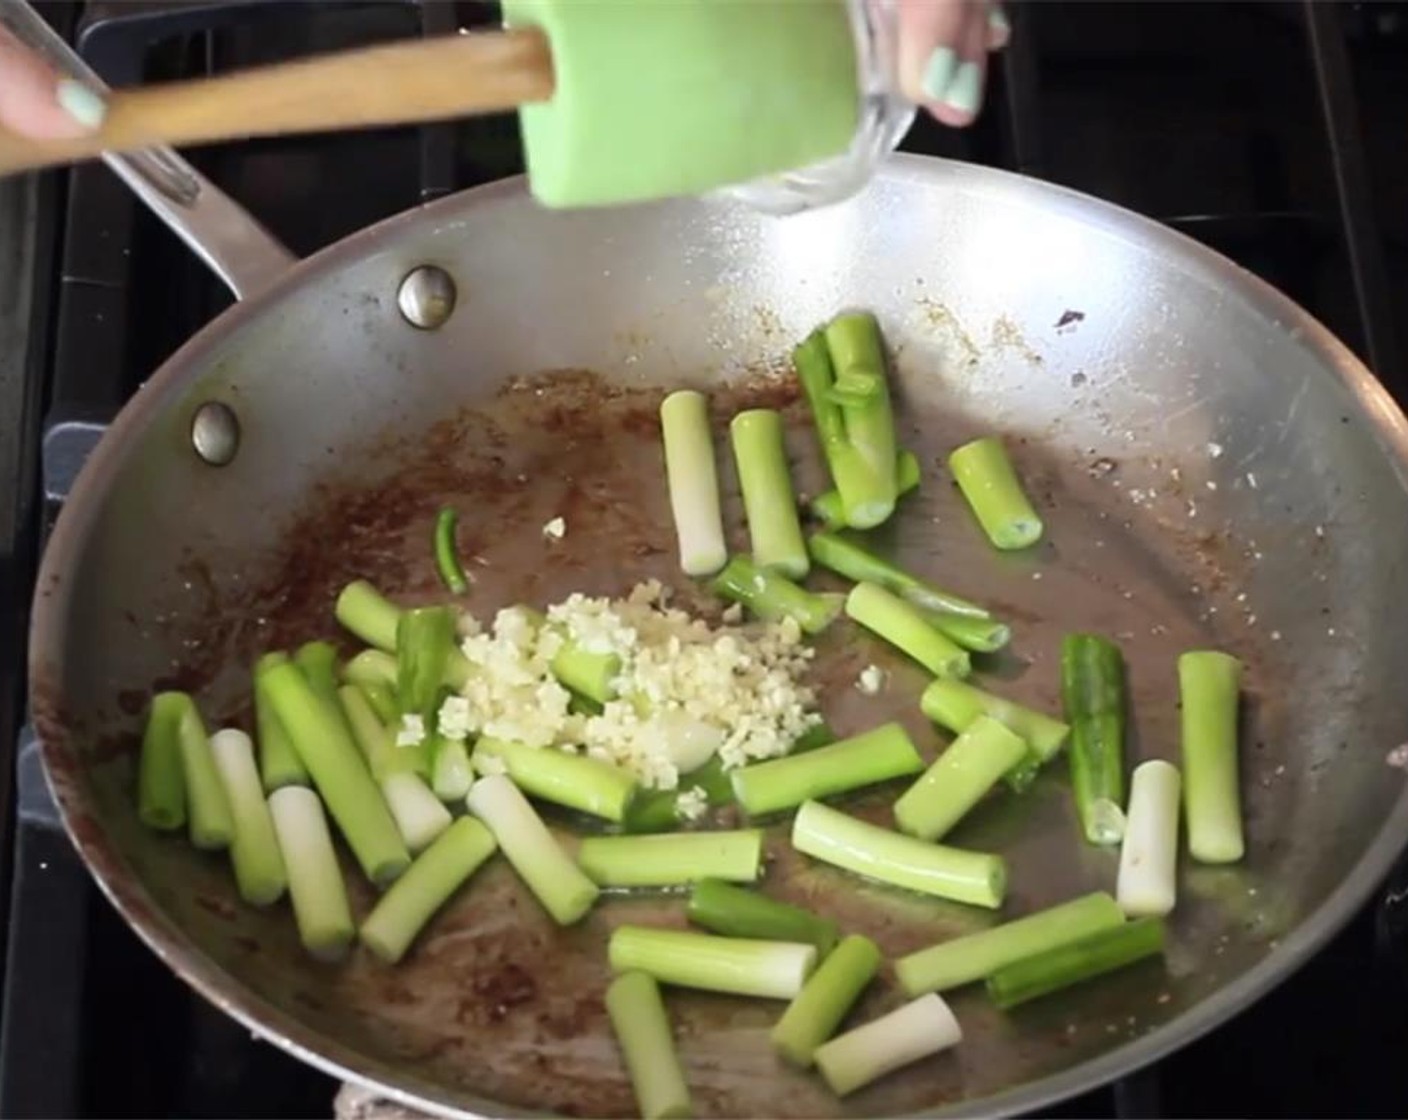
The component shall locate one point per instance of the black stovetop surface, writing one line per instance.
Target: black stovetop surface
(1277, 133)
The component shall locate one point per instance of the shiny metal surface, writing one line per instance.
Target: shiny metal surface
(215, 433)
(1213, 467)
(427, 297)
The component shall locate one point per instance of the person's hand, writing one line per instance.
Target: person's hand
(944, 47)
(35, 102)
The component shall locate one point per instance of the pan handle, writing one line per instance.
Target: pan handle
(239, 250)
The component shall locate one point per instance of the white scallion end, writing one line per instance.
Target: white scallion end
(693, 480)
(1147, 884)
(420, 816)
(916, 1030)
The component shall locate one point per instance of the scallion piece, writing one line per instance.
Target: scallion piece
(420, 816)
(1092, 692)
(951, 964)
(371, 666)
(279, 764)
(905, 627)
(958, 779)
(375, 741)
(772, 597)
(861, 389)
(1210, 683)
(315, 883)
(741, 966)
(254, 850)
(451, 772)
(693, 479)
(383, 702)
(424, 640)
(643, 1033)
(559, 885)
(161, 784)
(736, 912)
(318, 660)
(955, 705)
(981, 635)
(319, 734)
(769, 504)
(985, 476)
(831, 511)
(587, 673)
(447, 554)
(839, 553)
(572, 780)
(828, 994)
(1148, 878)
(976, 878)
(916, 1030)
(401, 913)
(672, 859)
(363, 610)
(1093, 955)
(782, 783)
(208, 818)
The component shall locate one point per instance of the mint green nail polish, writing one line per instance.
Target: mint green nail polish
(965, 91)
(81, 103)
(997, 20)
(938, 73)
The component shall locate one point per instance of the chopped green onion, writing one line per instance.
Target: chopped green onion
(1092, 691)
(741, 966)
(861, 388)
(831, 511)
(451, 773)
(782, 783)
(643, 1032)
(425, 639)
(814, 1015)
(437, 873)
(371, 666)
(960, 777)
(375, 741)
(447, 556)
(1093, 955)
(768, 501)
(672, 859)
(905, 627)
(559, 885)
(208, 817)
(841, 554)
(916, 1030)
(1209, 682)
(279, 764)
(420, 816)
(955, 705)
(693, 481)
(363, 610)
(588, 674)
(985, 476)
(161, 784)
(772, 597)
(319, 735)
(735, 912)
(976, 878)
(981, 635)
(1148, 878)
(575, 781)
(951, 964)
(318, 660)
(383, 702)
(254, 850)
(314, 879)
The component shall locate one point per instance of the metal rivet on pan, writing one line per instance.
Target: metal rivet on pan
(427, 297)
(215, 433)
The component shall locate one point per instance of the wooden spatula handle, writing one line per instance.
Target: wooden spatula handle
(421, 80)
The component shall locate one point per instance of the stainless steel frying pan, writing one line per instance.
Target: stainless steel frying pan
(1214, 467)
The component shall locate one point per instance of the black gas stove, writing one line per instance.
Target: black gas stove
(1277, 133)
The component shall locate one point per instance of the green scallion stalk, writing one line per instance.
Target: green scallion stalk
(1147, 886)
(425, 639)
(735, 912)
(782, 783)
(318, 660)
(1093, 955)
(279, 764)
(254, 850)
(861, 388)
(672, 859)
(1209, 684)
(958, 779)
(643, 1033)
(955, 705)
(572, 780)
(451, 772)
(420, 816)
(828, 994)
(1092, 692)
(586, 673)
(981, 635)
(831, 511)
(976, 878)
(988, 481)
(363, 610)
(693, 481)
(447, 555)
(161, 783)
(559, 885)
(916, 1030)
(208, 819)
(371, 666)
(769, 504)
(839, 553)
(964, 960)
(402, 912)
(738, 965)
(319, 734)
(904, 626)
(383, 702)
(315, 883)
(375, 741)
(772, 597)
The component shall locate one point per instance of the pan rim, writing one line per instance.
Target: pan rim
(221, 988)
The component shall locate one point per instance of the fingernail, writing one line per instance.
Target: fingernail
(938, 73)
(965, 91)
(997, 21)
(81, 103)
